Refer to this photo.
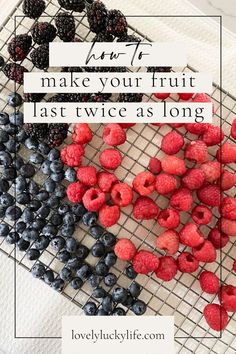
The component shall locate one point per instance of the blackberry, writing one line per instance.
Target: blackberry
(43, 32)
(129, 38)
(100, 97)
(73, 5)
(57, 134)
(19, 47)
(117, 24)
(103, 37)
(33, 97)
(65, 24)
(33, 8)
(40, 56)
(65, 97)
(15, 72)
(159, 69)
(75, 69)
(130, 97)
(38, 131)
(97, 15)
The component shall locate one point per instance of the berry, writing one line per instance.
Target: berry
(130, 97)
(12, 238)
(116, 24)
(58, 284)
(167, 269)
(109, 215)
(206, 252)
(125, 249)
(213, 135)
(15, 100)
(110, 159)
(87, 175)
(185, 96)
(57, 133)
(38, 270)
(106, 180)
(196, 151)
(33, 8)
(96, 231)
(93, 199)
(15, 72)
(19, 47)
(202, 97)
(99, 293)
(90, 309)
(98, 249)
(168, 241)
(168, 218)
(126, 125)
(172, 143)
(201, 214)
(32, 254)
(216, 316)
(97, 17)
(2, 61)
(209, 282)
(154, 165)
(73, 5)
(228, 227)
(23, 245)
(110, 279)
(72, 154)
(233, 129)
(131, 274)
(181, 199)
(101, 269)
(4, 230)
(27, 170)
(119, 295)
(143, 183)
(227, 297)
(145, 209)
(65, 24)
(187, 263)
(193, 179)
(122, 194)
(108, 239)
(4, 118)
(43, 32)
(13, 213)
(82, 133)
(165, 183)
(212, 171)
(113, 134)
(234, 266)
(40, 56)
(57, 243)
(219, 240)
(145, 262)
(118, 311)
(110, 259)
(139, 308)
(48, 277)
(196, 128)
(228, 208)
(227, 181)
(173, 165)
(209, 195)
(161, 95)
(70, 174)
(226, 153)
(89, 219)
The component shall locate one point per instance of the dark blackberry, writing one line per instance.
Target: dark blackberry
(19, 47)
(159, 69)
(105, 69)
(38, 131)
(33, 8)
(75, 69)
(97, 15)
(57, 134)
(43, 32)
(103, 37)
(65, 24)
(129, 38)
(65, 97)
(117, 24)
(73, 5)
(40, 56)
(33, 97)
(130, 97)
(15, 72)
(100, 97)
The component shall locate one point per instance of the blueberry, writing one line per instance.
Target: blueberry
(38, 270)
(70, 174)
(44, 211)
(96, 231)
(41, 243)
(2, 147)
(33, 187)
(45, 168)
(57, 177)
(12, 146)
(89, 219)
(4, 118)
(90, 308)
(82, 252)
(13, 212)
(110, 259)
(63, 209)
(50, 231)
(67, 230)
(108, 239)
(2, 211)
(53, 155)
(21, 184)
(58, 284)
(56, 219)
(118, 311)
(60, 190)
(107, 303)
(64, 256)
(43, 148)
(56, 166)
(98, 249)
(101, 269)
(31, 143)
(101, 312)
(94, 280)
(2, 61)
(34, 205)
(36, 158)
(12, 237)
(110, 279)
(30, 234)
(76, 283)
(23, 198)
(4, 185)
(4, 230)
(11, 129)
(134, 289)
(71, 245)
(14, 99)
(32, 254)
(4, 137)
(9, 173)
(78, 210)
(6, 200)
(139, 307)
(39, 223)
(27, 216)
(66, 274)
(119, 295)
(42, 195)
(23, 245)
(49, 185)
(48, 276)
(74, 263)
(129, 300)
(69, 219)
(53, 202)
(129, 271)
(99, 293)
(17, 163)
(84, 272)
(57, 243)
(21, 136)
(20, 227)
(27, 170)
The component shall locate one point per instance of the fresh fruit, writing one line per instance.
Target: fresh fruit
(173, 165)
(205, 252)
(43, 32)
(109, 215)
(165, 183)
(216, 316)
(82, 133)
(209, 282)
(187, 263)
(19, 47)
(122, 194)
(143, 183)
(125, 249)
(65, 24)
(201, 214)
(168, 241)
(87, 175)
(154, 165)
(33, 8)
(145, 262)
(145, 208)
(172, 143)
(110, 159)
(167, 269)
(168, 218)
(93, 199)
(181, 199)
(113, 134)
(191, 236)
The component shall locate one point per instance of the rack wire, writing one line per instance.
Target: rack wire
(182, 296)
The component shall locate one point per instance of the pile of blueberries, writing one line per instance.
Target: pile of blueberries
(43, 219)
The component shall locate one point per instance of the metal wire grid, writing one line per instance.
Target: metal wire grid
(182, 296)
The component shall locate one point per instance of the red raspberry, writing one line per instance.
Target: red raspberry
(143, 183)
(227, 297)
(82, 133)
(72, 154)
(106, 180)
(87, 175)
(145, 262)
(167, 269)
(94, 199)
(233, 129)
(213, 135)
(173, 165)
(209, 282)
(165, 184)
(193, 179)
(196, 128)
(226, 153)
(145, 208)
(190, 235)
(202, 97)
(122, 194)
(187, 263)
(172, 143)
(113, 134)
(126, 125)
(169, 218)
(125, 249)
(176, 125)
(201, 214)
(234, 266)
(228, 180)
(110, 159)
(154, 165)
(75, 192)
(206, 252)
(228, 208)
(109, 215)
(219, 240)
(196, 151)
(209, 195)
(212, 171)
(228, 227)
(181, 199)
(161, 95)
(216, 316)
(185, 96)
(168, 241)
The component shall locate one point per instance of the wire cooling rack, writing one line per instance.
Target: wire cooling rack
(182, 297)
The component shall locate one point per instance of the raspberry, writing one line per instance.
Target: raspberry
(161, 95)
(145, 208)
(113, 134)
(187, 263)
(216, 316)
(206, 252)
(172, 143)
(82, 134)
(94, 199)
(125, 249)
(126, 125)
(110, 159)
(227, 153)
(202, 97)
(109, 215)
(233, 129)
(213, 135)
(227, 297)
(209, 282)
(154, 165)
(165, 184)
(228, 227)
(228, 208)
(75, 192)
(190, 235)
(209, 195)
(122, 194)
(167, 269)
(234, 266)
(212, 171)
(106, 180)
(173, 165)
(87, 175)
(185, 96)
(176, 125)
(169, 218)
(201, 214)
(193, 179)
(228, 180)
(219, 240)
(196, 151)
(72, 154)
(168, 241)
(181, 199)
(196, 128)
(145, 262)
(143, 183)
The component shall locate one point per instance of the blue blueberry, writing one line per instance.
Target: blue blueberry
(30, 234)
(4, 230)
(129, 271)
(12, 238)
(70, 174)
(44, 211)
(42, 243)
(110, 279)
(53, 155)
(74, 263)
(139, 308)
(48, 277)
(63, 209)
(11, 129)
(110, 259)
(27, 216)
(21, 136)
(66, 274)
(101, 269)
(31, 143)
(90, 309)
(20, 226)
(39, 223)
(16, 118)
(21, 184)
(12, 145)
(50, 230)
(23, 198)
(58, 284)
(82, 252)
(53, 201)
(71, 245)
(57, 177)
(69, 219)
(36, 158)
(45, 168)
(42, 195)
(43, 148)
(9, 173)
(34, 205)
(17, 163)
(67, 230)
(76, 283)
(49, 185)
(38, 270)
(14, 99)
(56, 219)
(23, 245)
(32, 254)
(4, 137)
(84, 272)
(78, 210)
(118, 311)
(6, 200)
(101, 312)
(56, 166)
(4, 185)
(13, 212)
(108, 239)
(94, 280)
(89, 219)
(96, 231)
(4, 118)
(33, 187)
(98, 249)
(107, 304)
(99, 293)
(57, 243)
(134, 289)
(27, 170)
(60, 190)
(64, 256)
(119, 295)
